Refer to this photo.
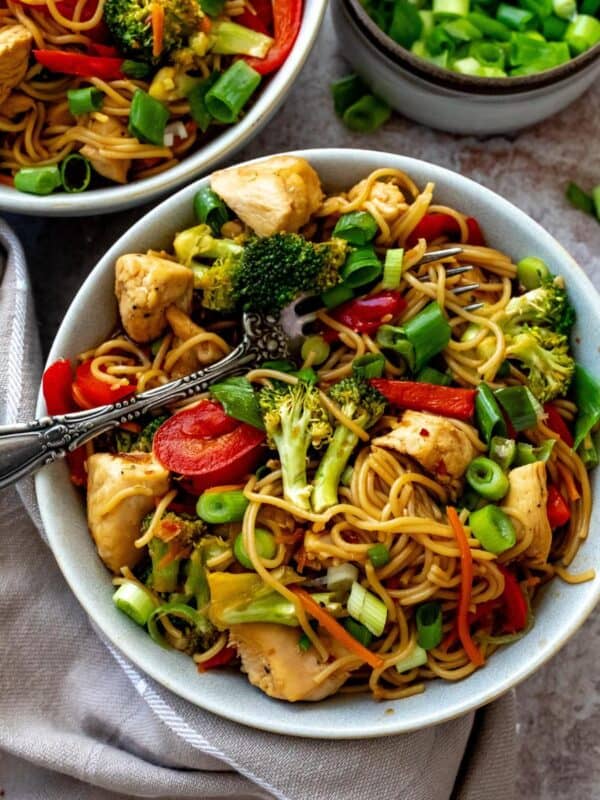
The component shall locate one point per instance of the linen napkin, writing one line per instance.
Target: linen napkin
(78, 720)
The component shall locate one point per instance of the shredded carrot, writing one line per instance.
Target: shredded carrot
(567, 479)
(132, 427)
(333, 627)
(466, 587)
(205, 25)
(158, 28)
(229, 487)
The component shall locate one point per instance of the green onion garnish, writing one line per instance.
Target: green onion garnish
(360, 632)
(583, 32)
(180, 611)
(134, 601)
(493, 529)
(367, 114)
(84, 100)
(528, 454)
(596, 199)
(358, 228)
(341, 577)
(337, 295)
(514, 17)
(579, 199)
(502, 451)
(346, 91)
(196, 97)
(38, 180)
(406, 24)
(434, 376)
(230, 39)
(266, 547)
(367, 609)
(304, 643)
(521, 406)
(416, 658)
(429, 625)
(362, 267)
(428, 332)
(136, 69)
(231, 92)
(219, 508)
(449, 9)
(378, 555)
(369, 365)
(392, 268)
(487, 478)
(148, 119)
(210, 209)
(488, 416)
(75, 173)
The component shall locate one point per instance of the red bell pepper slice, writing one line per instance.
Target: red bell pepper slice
(287, 19)
(366, 314)
(434, 225)
(95, 392)
(557, 424)
(223, 657)
(475, 234)
(207, 447)
(557, 508)
(262, 21)
(103, 50)
(444, 400)
(56, 387)
(61, 61)
(514, 605)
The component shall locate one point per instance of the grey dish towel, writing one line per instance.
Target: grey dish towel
(78, 721)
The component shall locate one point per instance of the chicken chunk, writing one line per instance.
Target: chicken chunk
(115, 169)
(146, 285)
(202, 355)
(115, 523)
(15, 46)
(276, 665)
(528, 495)
(279, 194)
(437, 443)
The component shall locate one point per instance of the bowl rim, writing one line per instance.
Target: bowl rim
(300, 723)
(469, 84)
(115, 198)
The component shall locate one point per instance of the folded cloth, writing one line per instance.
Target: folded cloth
(78, 720)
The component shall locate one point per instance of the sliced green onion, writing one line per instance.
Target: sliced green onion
(378, 555)
(554, 29)
(358, 631)
(514, 17)
(438, 41)
(304, 643)
(416, 658)
(488, 54)
(238, 398)
(429, 625)
(428, 332)
(230, 39)
(493, 529)
(134, 601)
(266, 547)
(471, 500)
(346, 91)
(590, 7)
(526, 51)
(218, 508)
(487, 478)
(38, 180)
(85, 100)
(337, 295)
(362, 267)
(210, 209)
(179, 611)
(583, 32)
(565, 9)
(136, 69)
(488, 416)
(393, 339)
(521, 406)
(317, 347)
(532, 272)
(539, 8)
(461, 30)
(426, 21)
(446, 9)
(579, 199)
(148, 118)
(367, 114)
(232, 91)
(369, 365)
(528, 454)
(406, 24)
(75, 173)
(434, 376)
(392, 268)
(490, 27)
(358, 228)
(503, 451)
(596, 199)
(367, 609)
(196, 97)
(341, 577)
(503, 369)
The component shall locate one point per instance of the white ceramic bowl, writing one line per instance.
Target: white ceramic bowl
(562, 609)
(444, 99)
(224, 145)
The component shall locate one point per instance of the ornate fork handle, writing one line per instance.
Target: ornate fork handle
(25, 447)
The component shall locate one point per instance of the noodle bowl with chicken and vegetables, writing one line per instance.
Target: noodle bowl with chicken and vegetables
(381, 508)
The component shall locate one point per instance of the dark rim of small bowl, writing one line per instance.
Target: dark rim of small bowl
(453, 80)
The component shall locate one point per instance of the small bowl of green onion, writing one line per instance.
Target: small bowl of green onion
(476, 67)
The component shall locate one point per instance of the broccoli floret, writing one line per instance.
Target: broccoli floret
(363, 405)
(294, 419)
(275, 269)
(546, 359)
(143, 443)
(129, 22)
(217, 283)
(547, 305)
(199, 243)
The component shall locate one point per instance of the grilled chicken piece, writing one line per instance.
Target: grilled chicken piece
(15, 46)
(276, 665)
(275, 195)
(528, 495)
(115, 528)
(439, 445)
(115, 169)
(146, 285)
(202, 355)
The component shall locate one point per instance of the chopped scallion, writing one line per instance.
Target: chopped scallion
(84, 100)
(148, 119)
(416, 658)
(367, 609)
(429, 625)
(210, 209)
(367, 114)
(369, 365)
(346, 91)
(38, 180)
(358, 228)
(231, 92)
(134, 601)
(75, 173)
(392, 268)
(378, 555)
(362, 267)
